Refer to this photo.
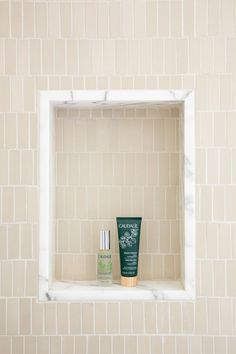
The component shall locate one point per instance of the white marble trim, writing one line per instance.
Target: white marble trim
(49, 290)
(90, 291)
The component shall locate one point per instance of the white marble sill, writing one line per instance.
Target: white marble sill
(94, 290)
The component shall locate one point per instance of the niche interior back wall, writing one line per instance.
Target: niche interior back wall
(118, 45)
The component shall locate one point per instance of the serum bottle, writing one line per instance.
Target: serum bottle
(104, 259)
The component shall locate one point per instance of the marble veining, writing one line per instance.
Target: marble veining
(50, 290)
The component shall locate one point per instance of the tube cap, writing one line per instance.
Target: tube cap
(105, 240)
(129, 281)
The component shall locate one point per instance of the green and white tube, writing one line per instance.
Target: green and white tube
(129, 235)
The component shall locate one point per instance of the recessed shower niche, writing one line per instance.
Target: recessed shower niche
(105, 154)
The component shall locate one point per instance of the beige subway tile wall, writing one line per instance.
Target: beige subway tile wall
(101, 156)
(136, 44)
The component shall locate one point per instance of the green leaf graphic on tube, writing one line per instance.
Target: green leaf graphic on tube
(129, 238)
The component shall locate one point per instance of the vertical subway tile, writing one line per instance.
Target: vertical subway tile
(188, 18)
(16, 19)
(127, 16)
(231, 342)
(4, 170)
(80, 344)
(17, 345)
(62, 319)
(13, 241)
(125, 318)
(18, 278)
(93, 344)
(72, 57)
(23, 56)
(176, 19)
(10, 56)
(20, 204)
(151, 18)
(43, 344)
(213, 20)
(50, 319)
(87, 318)
(25, 316)
(5, 20)
(182, 344)
(47, 57)
(29, 94)
(213, 316)
(67, 344)
(163, 19)
(78, 20)
(65, 19)
(227, 17)
(32, 206)
(55, 344)
(31, 278)
(10, 130)
(6, 279)
(133, 52)
(8, 203)
(220, 344)
(37, 317)
(195, 344)
(108, 57)
(85, 57)
(26, 167)
(176, 322)
(157, 56)
(59, 56)
(226, 316)
(131, 344)
(150, 317)
(230, 54)
(2, 56)
(231, 269)
(188, 317)
(100, 318)
(114, 19)
(3, 242)
(139, 19)
(12, 316)
(219, 278)
(75, 318)
(28, 19)
(102, 20)
(118, 345)
(105, 344)
(143, 344)
(91, 20)
(112, 318)
(35, 51)
(3, 310)
(229, 196)
(200, 316)
(5, 344)
(41, 20)
(5, 94)
(53, 19)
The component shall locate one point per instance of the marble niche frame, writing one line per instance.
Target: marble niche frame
(50, 290)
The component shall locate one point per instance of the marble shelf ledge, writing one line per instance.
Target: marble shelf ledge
(93, 290)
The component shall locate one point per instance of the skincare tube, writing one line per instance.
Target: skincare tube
(129, 235)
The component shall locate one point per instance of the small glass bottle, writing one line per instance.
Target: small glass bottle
(104, 259)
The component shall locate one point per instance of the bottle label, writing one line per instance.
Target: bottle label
(104, 266)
